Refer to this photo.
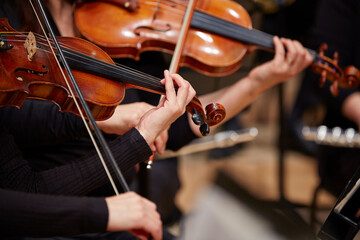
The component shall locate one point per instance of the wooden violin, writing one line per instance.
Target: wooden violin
(29, 70)
(219, 37)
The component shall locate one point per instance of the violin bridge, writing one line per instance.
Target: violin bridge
(30, 46)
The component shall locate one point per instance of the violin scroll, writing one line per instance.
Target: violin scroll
(215, 113)
(352, 76)
(329, 70)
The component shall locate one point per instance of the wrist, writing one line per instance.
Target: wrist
(148, 137)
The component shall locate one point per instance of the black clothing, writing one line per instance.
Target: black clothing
(62, 215)
(337, 21)
(65, 150)
(336, 24)
(38, 215)
(75, 178)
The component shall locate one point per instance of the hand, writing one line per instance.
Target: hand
(160, 142)
(125, 117)
(350, 108)
(131, 212)
(169, 109)
(284, 65)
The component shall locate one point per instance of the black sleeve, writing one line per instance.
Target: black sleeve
(180, 133)
(38, 215)
(76, 178)
(44, 124)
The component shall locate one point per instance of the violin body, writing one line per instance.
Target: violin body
(155, 26)
(40, 78)
(219, 36)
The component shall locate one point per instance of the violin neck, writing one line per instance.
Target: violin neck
(236, 32)
(117, 73)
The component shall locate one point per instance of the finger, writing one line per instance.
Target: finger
(290, 50)
(160, 143)
(150, 224)
(140, 234)
(299, 49)
(149, 204)
(153, 147)
(154, 226)
(279, 50)
(307, 58)
(191, 94)
(165, 136)
(299, 62)
(183, 90)
(162, 101)
(169, 87)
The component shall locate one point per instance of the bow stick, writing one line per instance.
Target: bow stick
(175, 60)
(86, 109)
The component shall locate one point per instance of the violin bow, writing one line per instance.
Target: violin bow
(175, 60)
(83, 103)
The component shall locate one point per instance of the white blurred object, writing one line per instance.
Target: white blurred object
(334, 137)
(218, 140)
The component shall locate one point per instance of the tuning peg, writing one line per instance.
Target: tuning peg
(323, 47)
(352, 76)
(322, 78)
(197, 118)
(336, 58)
(334, 89)
(204, 129)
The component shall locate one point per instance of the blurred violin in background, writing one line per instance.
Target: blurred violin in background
(219, 37)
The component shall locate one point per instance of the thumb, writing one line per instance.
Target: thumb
(153, 147)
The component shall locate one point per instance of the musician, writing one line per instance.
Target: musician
(234, 98)
(336, 164)
(125, 212)
(24, 214)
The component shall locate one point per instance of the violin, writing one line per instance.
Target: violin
(219, 37)
(31, 71)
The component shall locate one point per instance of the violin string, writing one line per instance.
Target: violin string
(142, 78)
(164, 7)
(169, 5)
(41, 37)
(219, 23)
(207, 19)
(225, 24)
(173, 5)
(87, 57)
(79, 109)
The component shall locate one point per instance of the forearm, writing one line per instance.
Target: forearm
(234, 98)
(283, 67)
(37, 215)
(76, 178)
